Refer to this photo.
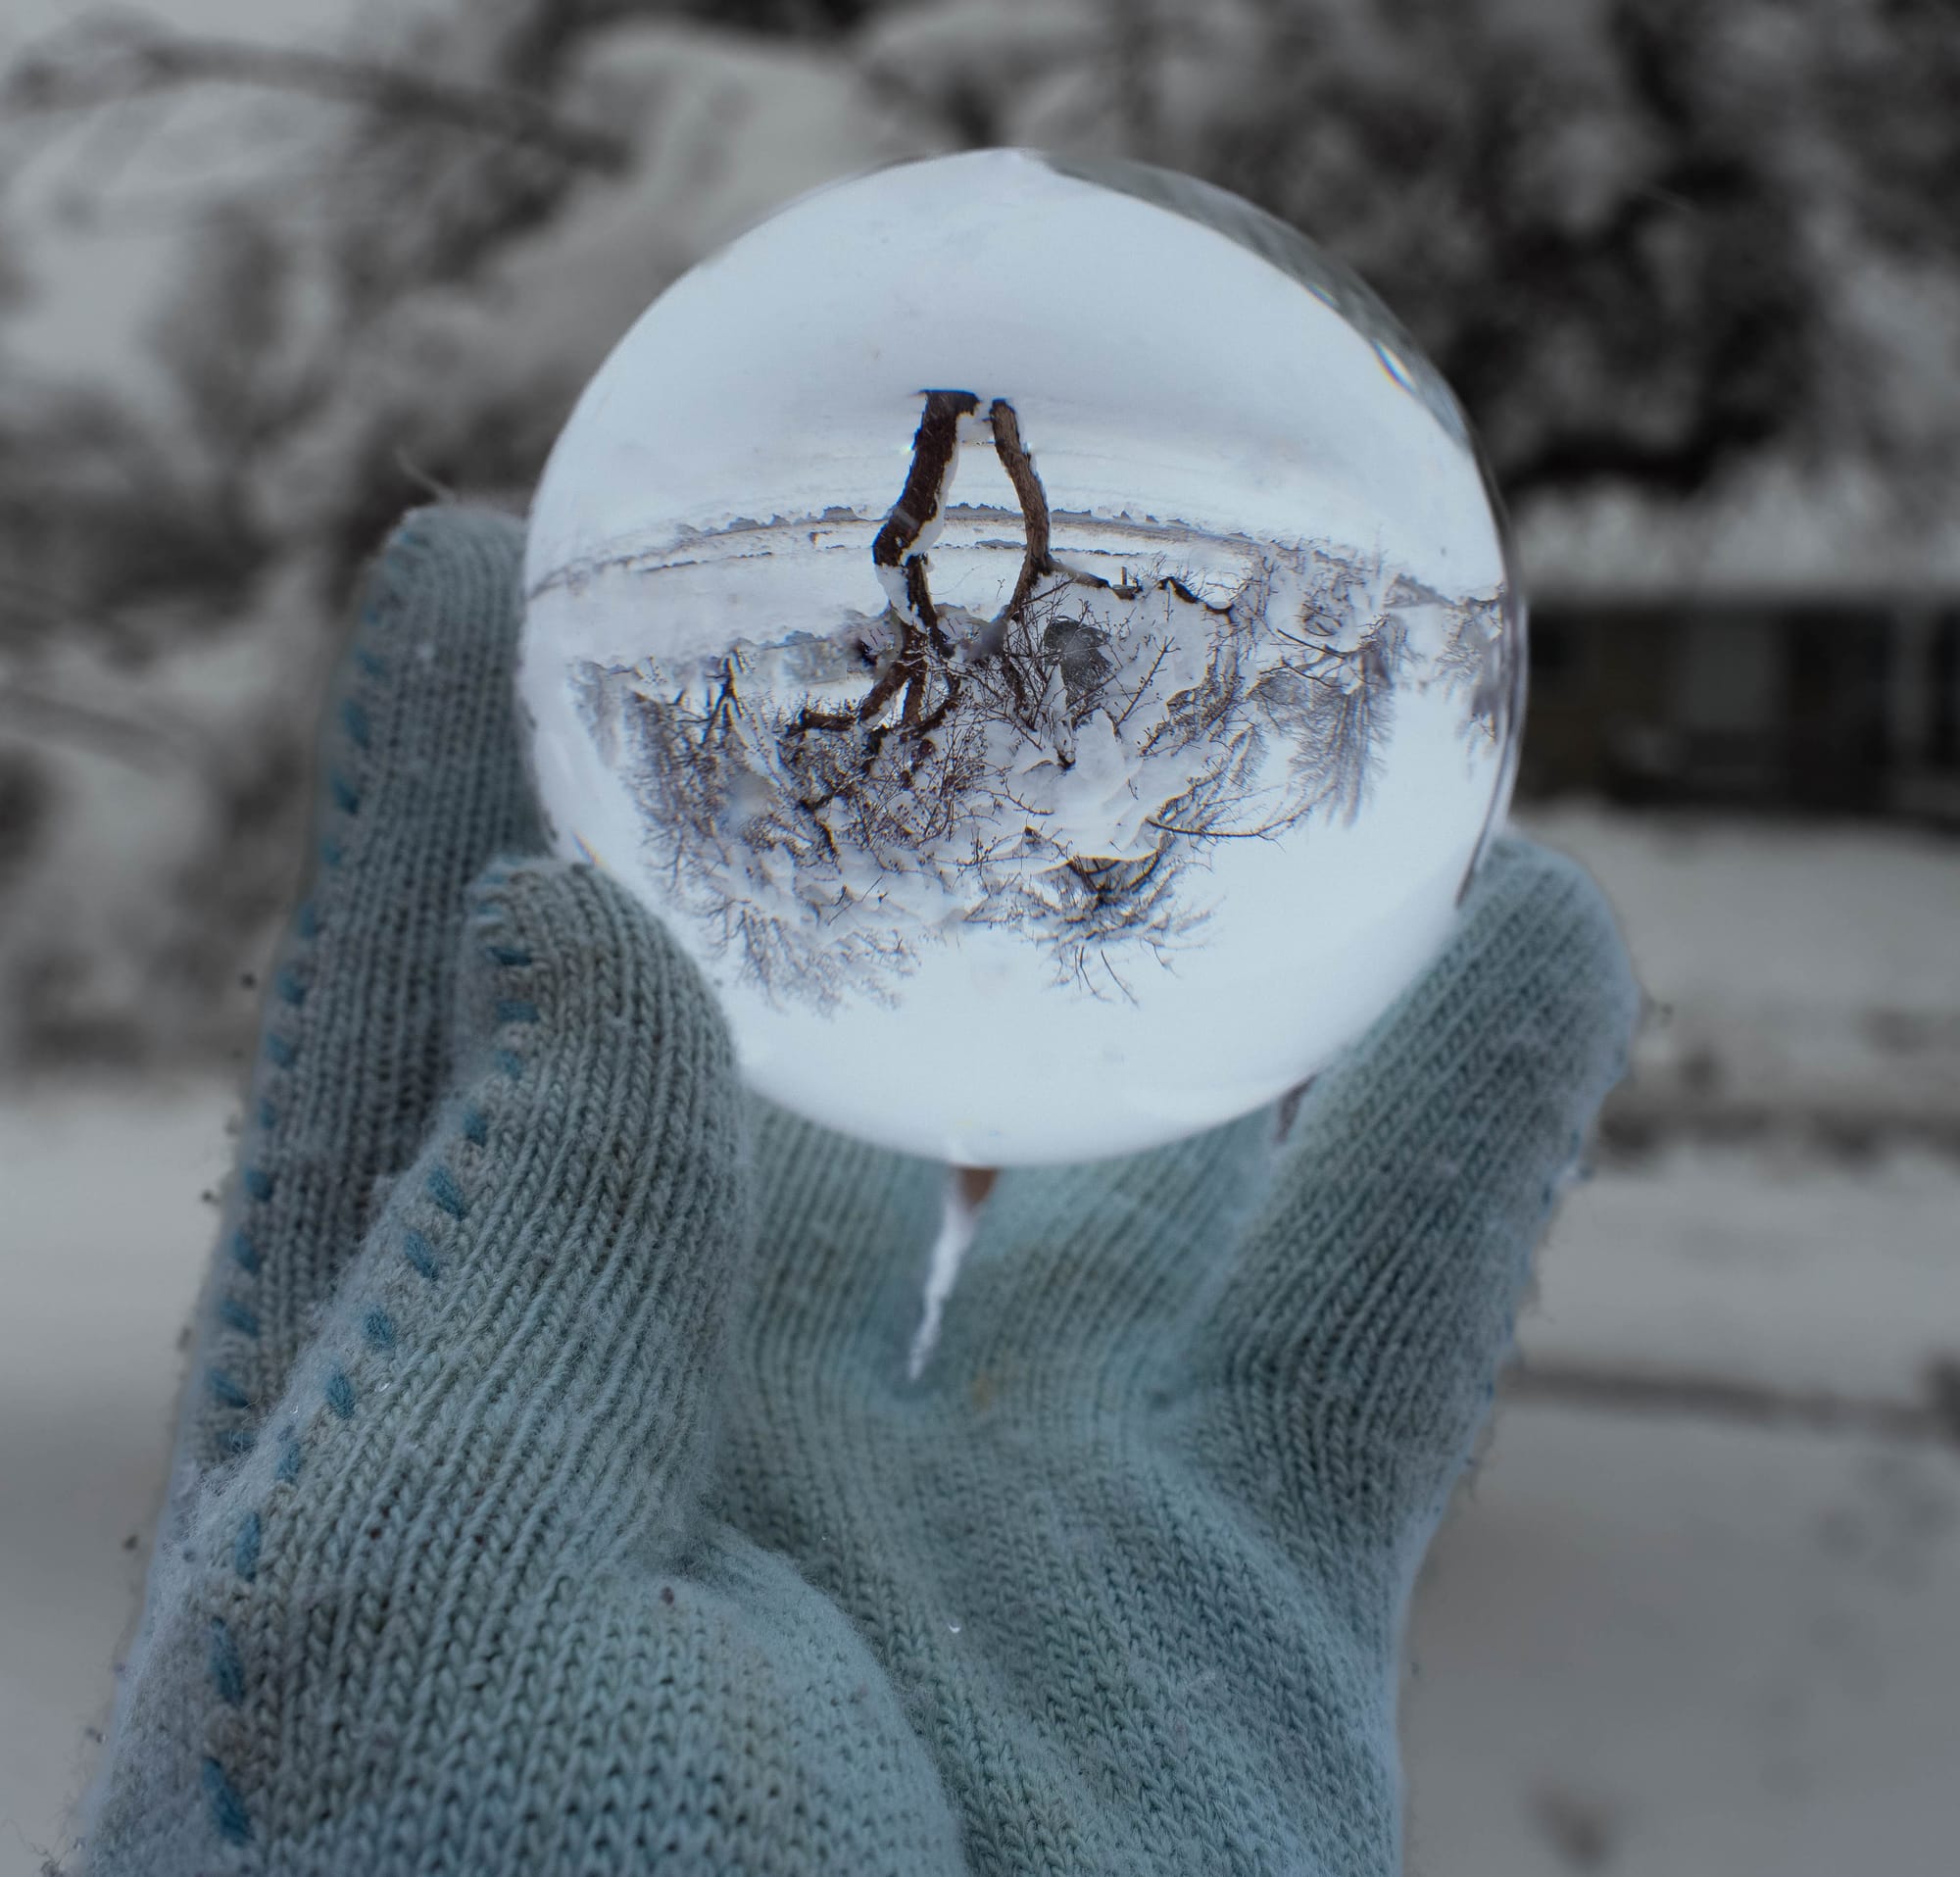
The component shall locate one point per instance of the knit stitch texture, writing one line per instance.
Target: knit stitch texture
(552, 1495)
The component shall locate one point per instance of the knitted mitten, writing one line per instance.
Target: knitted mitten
(555, 1497)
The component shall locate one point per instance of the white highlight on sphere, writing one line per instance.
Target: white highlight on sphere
(1040, 637)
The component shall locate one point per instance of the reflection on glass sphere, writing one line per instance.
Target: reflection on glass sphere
(1039, 637)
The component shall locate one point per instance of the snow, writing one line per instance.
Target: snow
(1835, 917)
(102, 1240)
(1772, 530)
(1802, 972)
(1768, 1265)
(1653, 1648)
(102, 213)
(127, 833)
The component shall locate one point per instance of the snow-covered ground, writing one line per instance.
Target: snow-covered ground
(1649, 1641)
(1659, 1648)
(102, 1239)
(1808, 975)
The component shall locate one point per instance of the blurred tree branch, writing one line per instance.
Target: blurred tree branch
(131, 60)
(152, 744)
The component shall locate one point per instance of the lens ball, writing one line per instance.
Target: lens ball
(1041, 637)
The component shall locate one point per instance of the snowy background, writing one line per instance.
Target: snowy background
(270, 274)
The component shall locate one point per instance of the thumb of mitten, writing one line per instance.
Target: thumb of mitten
(506, 1395)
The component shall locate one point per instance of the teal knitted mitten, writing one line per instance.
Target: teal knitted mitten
(553, 1497)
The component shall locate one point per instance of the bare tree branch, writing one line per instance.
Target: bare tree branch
(146, 62)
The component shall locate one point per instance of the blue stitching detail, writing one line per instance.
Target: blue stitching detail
(474, 1128)
(306, 922)
(245, 1546)
(443, 1189)
(421, 1255)
(228, 1672)
(290, 989)
(245, 1255)
(509, 955)
(516, 1010)
(258, 1182)
(289, 1467)
(280, 1052)
(226, 1392)
(227, 1810)
(355, 717)
(366, 660)
(269, 1116)
(344, 797)
(511, 1063)
(340, 1394)
(329, 852)
(239, 1316)
(379, 1329)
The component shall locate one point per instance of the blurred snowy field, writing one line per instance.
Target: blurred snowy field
(1698, 1609)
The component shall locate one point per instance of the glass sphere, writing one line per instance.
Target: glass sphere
(1041, 638)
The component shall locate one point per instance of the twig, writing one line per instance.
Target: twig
(418, 476)
(1163, 653)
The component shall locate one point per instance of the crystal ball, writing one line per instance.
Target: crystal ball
(1041, 637)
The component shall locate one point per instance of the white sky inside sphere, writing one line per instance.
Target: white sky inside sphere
(1188, 408)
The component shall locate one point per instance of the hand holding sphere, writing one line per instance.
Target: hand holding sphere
(554, 1494)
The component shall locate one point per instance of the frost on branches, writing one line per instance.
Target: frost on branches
(1056, 768)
